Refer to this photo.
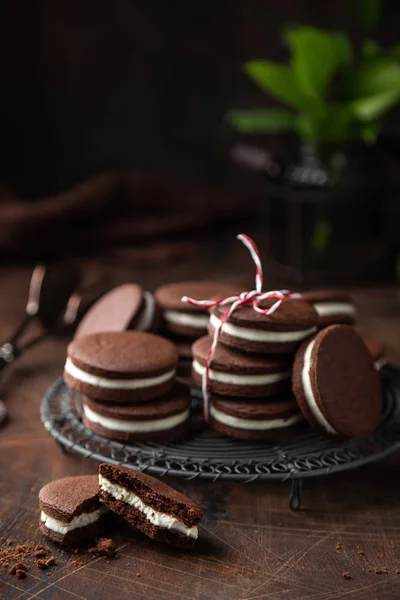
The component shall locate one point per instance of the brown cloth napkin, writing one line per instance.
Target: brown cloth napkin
(108, 210)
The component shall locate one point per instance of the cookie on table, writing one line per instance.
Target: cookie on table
(336, 385)
(184, 319)
(278, 333)
(333, 307)
(71, 511)
(150, 505)
(242, 374)
(377, 350)
(163, 419)
(254, 419)
(125, 307)
(121, 366)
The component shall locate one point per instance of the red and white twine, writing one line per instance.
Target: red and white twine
(253, 298)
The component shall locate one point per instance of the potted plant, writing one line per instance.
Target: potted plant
(325, 207)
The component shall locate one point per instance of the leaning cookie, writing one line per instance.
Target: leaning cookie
(71, 511)
(278, 333)
(254, 419)
(125, 307)
(242, 374)
(185, 319)
(333, 307)
(121, 366)
(336, 385)
(150, 505)
(163, 419)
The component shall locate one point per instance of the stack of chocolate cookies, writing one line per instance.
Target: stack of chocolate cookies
(303, 361)
(125, 382)
(183, 323)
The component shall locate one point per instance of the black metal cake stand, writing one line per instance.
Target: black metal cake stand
(208, 456)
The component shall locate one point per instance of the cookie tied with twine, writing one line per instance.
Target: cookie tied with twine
(251, 298)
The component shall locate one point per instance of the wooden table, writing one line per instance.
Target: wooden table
(251, 545)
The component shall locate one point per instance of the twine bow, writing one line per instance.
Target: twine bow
(253, 298)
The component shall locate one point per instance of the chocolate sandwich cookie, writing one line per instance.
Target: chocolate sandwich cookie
(377, 350)
(278, 333)
(121, 366)
(254, 419)
(71, 511)
(166, 418)
(241, 374)
(336, 385)
(184, 319)
(332, 307)
(150, 505)
(125, 307)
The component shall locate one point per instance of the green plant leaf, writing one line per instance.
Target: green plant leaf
(262, 120)
(315, 57)
(343, 47)
(371, 49)
(395, 52)
(374, 107)
(369, 133)
(276, 79)
(374, 76)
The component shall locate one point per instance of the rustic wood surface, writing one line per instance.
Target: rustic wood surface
(251, 545)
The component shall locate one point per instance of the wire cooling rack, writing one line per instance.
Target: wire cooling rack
(206, 455)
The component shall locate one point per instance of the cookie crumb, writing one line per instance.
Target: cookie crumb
(137, 574)
(21, 573)
(40, 551)
(43, 563)
(379, 570)
(338, 546)
(361, 553)
(346, 575)
(104, 547)
(19, 566)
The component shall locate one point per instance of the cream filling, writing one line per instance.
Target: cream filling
(234, 379)
(308, 391)
(253, 424)
(77, 522)
(154, 516)
(146, 318)
(378, 364)
(258, 335)
(187, 319)
(326, 309)
(115, 384)
(136, 426)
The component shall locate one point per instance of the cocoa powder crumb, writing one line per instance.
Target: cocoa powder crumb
(104, 547)
(338, 546)
(346, 575)
(44, 563)
(361, 553)
(40, 551)
(20, 573)
(19, 566)
(379, 570)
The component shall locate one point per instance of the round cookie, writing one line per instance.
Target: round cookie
(333, 307)
(71, 511)
(166, 418)
(125, 307)
(184, 319)
(278, 333)
(254, 419)
(336, 385)
(377, 350)
(121, 366)
(241, 374)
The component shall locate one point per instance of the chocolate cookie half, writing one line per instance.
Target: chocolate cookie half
(150, 505)
(336, 385)
(184, 319)
(71, 511)
(333, 307)
(165, 418)
(278, 333)
(254, 419)
(239, 373)
(121, 366)
(125, 307)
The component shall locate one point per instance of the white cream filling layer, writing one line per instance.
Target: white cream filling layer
(326, 309)
(308, 391)
(146, 318)
(77, 522)
(136, 426)
(259, 335)
(253, 424)
(187, 319)
(378, 364)
(234, 379)
(116, 384)
(155, 517)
